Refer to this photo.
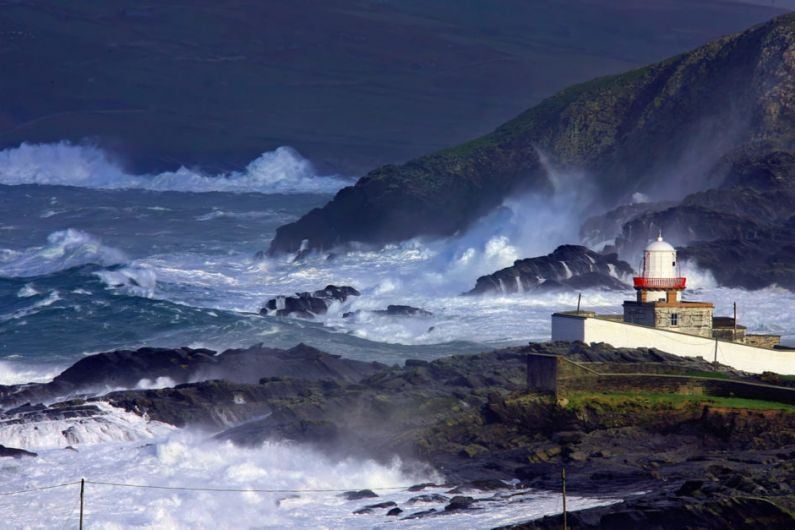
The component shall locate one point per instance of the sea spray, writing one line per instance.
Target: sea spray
(280, 171)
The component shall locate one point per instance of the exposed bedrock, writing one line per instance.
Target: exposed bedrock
(306, 304)
(167, 367)
(665, 129)
(568, 267)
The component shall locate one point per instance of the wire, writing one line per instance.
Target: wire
(254, 490)
(40, 489)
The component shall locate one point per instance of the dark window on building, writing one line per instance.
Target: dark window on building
(674, 319)
(673, 264)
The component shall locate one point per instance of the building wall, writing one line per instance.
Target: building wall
(642, 314)
(622, 335)
(692, 320)
(763, 341)
(730, 334)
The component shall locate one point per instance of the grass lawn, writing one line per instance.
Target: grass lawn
(579, 399)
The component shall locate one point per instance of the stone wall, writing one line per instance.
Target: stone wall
(730, 334)
(558, 376)
(691, 320)
(763, 341)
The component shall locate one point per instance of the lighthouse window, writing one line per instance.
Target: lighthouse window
(674, 319)
(673, 264)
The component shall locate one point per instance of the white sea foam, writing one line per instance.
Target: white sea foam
(64, 249)
(34, 308)
(108, 425)
(280, 171)
(135, 280)
(15, 372)
(159, 382)
(27, 291)
(181, 459)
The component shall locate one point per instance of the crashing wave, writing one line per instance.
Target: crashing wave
(65, 249)
(89, 425)
(282, 170)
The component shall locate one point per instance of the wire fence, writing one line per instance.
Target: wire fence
(84, 482)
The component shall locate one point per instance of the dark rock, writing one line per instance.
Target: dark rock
(413, 363)
(568, 267)
(690, 488)
(394, 512)
(428, 498)
(420, 487)
(14, 453)
(488, 485)
(357, 495)
(459, 502)
(421, 514)
(393, 311)
(125, 368)
(404, 311)
(307, 304)
(373, 507)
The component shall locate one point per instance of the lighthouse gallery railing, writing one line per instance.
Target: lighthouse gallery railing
(659, 283)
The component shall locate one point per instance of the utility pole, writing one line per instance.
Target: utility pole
(82, 494)
(734, 336)
(579, 299)
(563, 478)
(715, 360)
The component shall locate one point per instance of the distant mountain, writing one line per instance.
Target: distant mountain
(350, 84)
(675, 127)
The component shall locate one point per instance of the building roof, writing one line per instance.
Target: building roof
(660, 246)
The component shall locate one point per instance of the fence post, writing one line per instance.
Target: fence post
(82, 494)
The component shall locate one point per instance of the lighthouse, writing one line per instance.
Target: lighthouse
(659, 291)
(659, 279)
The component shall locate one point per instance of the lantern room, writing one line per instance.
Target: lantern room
(660, 279)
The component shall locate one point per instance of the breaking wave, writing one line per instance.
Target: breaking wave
(282, 170)
(64, 249)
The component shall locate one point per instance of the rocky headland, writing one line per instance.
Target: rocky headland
(708, 135)
(672, 122)
(677, 461)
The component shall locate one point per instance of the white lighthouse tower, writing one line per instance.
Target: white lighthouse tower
(659, 280)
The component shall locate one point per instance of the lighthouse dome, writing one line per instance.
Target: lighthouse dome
(659, 260)
(660, 246)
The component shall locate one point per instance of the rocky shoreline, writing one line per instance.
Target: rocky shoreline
(688, 464)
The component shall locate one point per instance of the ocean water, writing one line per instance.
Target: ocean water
(93, 258)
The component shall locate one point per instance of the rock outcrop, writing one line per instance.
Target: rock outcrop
(306, 304)
(168, 367)
(568, 267)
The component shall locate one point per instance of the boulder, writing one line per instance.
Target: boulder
(568, 267)
(13, 452)
(306, 304)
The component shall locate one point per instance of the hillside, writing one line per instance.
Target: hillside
(666, 130)
(351, 85)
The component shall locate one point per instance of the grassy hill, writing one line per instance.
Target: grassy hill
(661, 130)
